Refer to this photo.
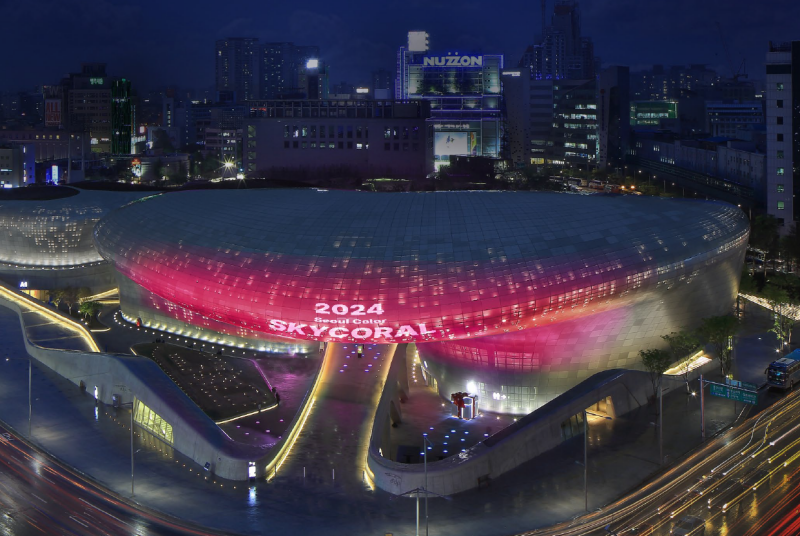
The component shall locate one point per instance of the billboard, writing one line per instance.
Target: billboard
(455, 143)
(451, 143)
(52, 112)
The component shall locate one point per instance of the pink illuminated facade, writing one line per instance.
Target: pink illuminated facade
(499, 290)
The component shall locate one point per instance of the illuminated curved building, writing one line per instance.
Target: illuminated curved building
(516, 296)
(47, 243)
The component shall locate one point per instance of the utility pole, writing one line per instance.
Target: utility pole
(660, 424)
(30, 400)
(586, 454)
(702, 411)
(585, 462)
(132, 405)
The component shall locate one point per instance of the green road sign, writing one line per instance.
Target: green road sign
(732, 393)
(741, 385)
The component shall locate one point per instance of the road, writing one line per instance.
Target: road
(37, 496)
(744, 482)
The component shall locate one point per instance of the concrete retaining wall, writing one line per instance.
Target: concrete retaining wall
(195, 434)
(529, 437)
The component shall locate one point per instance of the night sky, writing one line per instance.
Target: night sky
(165, 42)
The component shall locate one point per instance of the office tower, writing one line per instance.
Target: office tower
(783, 141)
(313, 80)
(282, 65)
(613, 116)
(122, 117)
(88, 99)
(561, 52)
(236, 69)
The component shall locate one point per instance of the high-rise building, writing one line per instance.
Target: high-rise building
(236, 69)
(382, 84)
(122, 117)
(783, 140)
(464, 93)
(561, 52)
(88, 105)
(613, 123)
(282, 65)
(558, 123)
(677, 81)
(553, 97)
(313, 80)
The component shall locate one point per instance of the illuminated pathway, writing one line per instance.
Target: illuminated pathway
(49, 329)
(332, 445)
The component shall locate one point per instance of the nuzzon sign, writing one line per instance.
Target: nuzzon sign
(452, 61)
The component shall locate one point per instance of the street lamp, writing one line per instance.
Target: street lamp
(586, 454)
(131, 404)
(30, 375)
(425, 444)
(416, 492)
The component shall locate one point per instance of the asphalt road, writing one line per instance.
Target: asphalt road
(744, 482)
(38, 496)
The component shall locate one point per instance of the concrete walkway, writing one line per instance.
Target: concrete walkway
(546, 490)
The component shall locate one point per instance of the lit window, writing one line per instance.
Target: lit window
(780, 205)
(780, 188)
(152, 422)
(779, 86)
(780, 171)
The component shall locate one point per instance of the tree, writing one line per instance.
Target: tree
(718, 331)
(159, 169)
(57, 296)
(778, 301)
(764, 236)
(83, 293)
(747, 284)
(681, 346)
(790, 246)
(656, 361)
(162, 143)
(90, 309)
(70, 297)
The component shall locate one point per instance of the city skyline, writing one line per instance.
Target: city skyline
(353, 44)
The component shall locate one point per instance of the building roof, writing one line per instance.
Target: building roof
(466, 263)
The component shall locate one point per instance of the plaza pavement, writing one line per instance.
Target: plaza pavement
(332, 497)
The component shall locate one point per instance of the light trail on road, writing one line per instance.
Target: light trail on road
(38, 496)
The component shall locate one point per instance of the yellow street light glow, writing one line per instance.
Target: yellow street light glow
(696, 361)
(47, 313)
(365, 434)
(283, 453)
(250, 414)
